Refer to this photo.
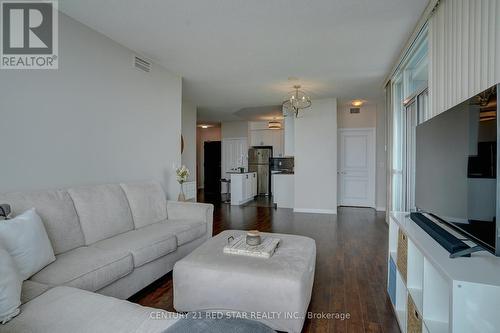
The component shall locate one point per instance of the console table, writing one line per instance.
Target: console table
(433, 293)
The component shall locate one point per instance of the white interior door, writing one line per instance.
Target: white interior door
(356, 174)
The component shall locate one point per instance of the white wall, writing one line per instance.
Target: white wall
(95, 120)
(371, 115)
(289, 136)
(367, 117)
(234, 129)
(316, 158)
(189, 135)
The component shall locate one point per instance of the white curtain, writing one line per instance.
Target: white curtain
(464, 42)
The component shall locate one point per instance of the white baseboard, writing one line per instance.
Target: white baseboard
(315, 211)
(380, 209)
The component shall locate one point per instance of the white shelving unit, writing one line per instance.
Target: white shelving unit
(450, 295)
(415, 275)
(401, 301)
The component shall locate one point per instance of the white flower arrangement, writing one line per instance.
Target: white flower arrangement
(182, 174)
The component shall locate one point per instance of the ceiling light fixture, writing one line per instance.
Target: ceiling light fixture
(204, 126)
(297, 100)
(357, 103)
(274, 124)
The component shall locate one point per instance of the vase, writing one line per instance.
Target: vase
(181, 196)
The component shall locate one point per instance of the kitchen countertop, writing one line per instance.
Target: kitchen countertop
(239, 173)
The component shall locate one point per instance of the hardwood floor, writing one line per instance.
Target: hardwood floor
(351, 269)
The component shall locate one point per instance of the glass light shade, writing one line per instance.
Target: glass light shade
(297, 100)
(274, 125)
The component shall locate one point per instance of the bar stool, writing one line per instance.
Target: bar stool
(228, 194)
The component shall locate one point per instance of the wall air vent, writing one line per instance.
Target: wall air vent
(355, 110)
(142, 64)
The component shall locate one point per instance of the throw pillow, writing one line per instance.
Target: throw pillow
(26, 240)
(10, 287)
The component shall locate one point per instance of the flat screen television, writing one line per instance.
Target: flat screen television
(457, 166)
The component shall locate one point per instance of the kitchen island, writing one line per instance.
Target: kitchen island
(243, 187)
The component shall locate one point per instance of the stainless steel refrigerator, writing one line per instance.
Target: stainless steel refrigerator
(258, 161)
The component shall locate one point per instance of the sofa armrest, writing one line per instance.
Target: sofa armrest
(192, 211)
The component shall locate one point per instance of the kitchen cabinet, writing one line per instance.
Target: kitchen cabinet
(277, 139)
(283, 190)
(268, 137)
(243, 187)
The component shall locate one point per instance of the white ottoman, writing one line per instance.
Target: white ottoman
(275, 291)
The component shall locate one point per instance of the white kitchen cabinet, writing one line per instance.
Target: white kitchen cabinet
(257, 138)
(277, 139)
(283, 190)
(268, 137)
(243, 187)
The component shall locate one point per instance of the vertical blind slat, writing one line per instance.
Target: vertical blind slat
(464, 43)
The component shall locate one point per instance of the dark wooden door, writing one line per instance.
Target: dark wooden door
(212, 168)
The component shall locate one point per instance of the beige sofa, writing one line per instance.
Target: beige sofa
(112, 240)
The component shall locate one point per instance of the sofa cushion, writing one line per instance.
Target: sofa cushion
(65, 309)
(10, 287)
(103, 211)
(146, 244)
(185, 230)
(86, 268)
(26, 240)
(32, 290)
(147, 202)
(57, 212)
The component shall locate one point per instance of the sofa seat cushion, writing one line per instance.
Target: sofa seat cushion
(32, 290)
(86, 268)
(185, 230)
(65, 309)
(145, 244)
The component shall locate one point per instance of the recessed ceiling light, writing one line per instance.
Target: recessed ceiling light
(357, 103)
(204, 126)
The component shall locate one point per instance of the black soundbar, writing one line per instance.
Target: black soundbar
(450, 243)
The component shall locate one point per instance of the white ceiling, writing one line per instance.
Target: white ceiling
(236, 54)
